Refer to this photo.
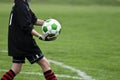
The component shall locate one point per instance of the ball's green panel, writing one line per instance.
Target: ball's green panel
(45, 29)
(60, 31)
(54, 26)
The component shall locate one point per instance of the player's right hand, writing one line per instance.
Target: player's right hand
(47, 38)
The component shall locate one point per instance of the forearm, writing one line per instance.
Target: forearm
(35, 33)
(39, 22)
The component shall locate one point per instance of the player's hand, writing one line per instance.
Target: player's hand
(47, 38)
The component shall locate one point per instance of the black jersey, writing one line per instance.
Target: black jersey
(20, 39)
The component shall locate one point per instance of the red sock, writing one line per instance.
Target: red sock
(49, 75)
(8, 75)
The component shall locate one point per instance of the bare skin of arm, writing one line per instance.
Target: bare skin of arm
(39, 22)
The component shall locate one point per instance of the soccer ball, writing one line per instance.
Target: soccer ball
(51, 27)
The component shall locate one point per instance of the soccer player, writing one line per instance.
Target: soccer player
(21, 44)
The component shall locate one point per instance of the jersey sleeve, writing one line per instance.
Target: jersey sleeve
(24, 18)
(34, 18)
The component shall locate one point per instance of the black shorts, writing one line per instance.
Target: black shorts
(31, 59)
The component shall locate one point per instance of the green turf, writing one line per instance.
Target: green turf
(89, 41)
(75, 2)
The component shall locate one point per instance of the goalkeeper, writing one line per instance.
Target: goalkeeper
(21, 44)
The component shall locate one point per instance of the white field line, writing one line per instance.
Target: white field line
(83, 75)
(37, 73)
(5, 51)
(80, 73)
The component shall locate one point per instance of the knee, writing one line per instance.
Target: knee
(44, 63)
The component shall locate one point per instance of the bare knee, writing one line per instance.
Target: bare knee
(16, 67)
(44, 64)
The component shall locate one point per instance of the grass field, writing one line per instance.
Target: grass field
(89, 42)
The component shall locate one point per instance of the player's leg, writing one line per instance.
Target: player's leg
(48, 73)
(45, 65)
(8, 75)
(43, 62)
(15, 69)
